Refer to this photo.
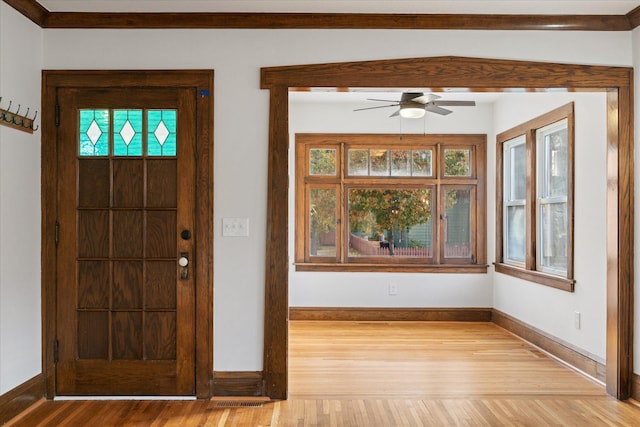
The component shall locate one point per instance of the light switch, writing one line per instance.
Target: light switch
(235, 227)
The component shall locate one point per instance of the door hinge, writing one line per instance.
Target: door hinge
(55, 351)
(56, 233)
(57, 115)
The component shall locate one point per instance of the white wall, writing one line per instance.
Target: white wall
(549, 309)
(20, 327)
(351, 289)
(241, 126)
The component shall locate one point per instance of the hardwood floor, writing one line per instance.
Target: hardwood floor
(385, 374)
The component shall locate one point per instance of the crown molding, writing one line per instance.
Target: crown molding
(634, 17)
(46, 19)
(31, 9)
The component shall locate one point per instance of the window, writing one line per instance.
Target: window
(372, 202)
(535, 200)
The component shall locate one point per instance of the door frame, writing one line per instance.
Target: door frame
(202, 83)
(475, 74)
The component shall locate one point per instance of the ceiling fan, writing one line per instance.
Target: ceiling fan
(414, 105)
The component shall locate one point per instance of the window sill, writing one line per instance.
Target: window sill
(393, 268)
(536, 277)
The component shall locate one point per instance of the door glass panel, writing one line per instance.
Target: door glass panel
(127, 132)
(94, 132)
(458, 224)
(161, 132)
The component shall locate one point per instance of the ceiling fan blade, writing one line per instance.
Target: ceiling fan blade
(382, 100)
(438, 110)
(396, 114)
(373, 108)
(455, 103)
(423, 99)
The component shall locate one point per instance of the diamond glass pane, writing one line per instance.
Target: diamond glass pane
(161, 132)
(127, 132)
(94, 133)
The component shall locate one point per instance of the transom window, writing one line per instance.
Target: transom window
(535, 219)
(390, 203)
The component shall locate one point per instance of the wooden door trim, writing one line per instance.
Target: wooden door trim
(202, 82)
(476, 74)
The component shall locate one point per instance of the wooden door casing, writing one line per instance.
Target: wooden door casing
(200, 82)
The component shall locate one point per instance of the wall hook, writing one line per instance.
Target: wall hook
(16, 120)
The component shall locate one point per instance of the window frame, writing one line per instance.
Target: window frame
(437, 182)
(531, 269)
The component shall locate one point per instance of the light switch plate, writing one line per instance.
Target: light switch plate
(235, 227)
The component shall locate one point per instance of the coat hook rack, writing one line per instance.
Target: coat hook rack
(15, 120)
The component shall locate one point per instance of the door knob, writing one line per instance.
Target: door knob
(183, 262)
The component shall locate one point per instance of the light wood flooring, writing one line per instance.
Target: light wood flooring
(386, 374)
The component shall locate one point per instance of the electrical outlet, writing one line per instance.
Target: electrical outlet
(235, 227)
(393, 288)
(576, 319)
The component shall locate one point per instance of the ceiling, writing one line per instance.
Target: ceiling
(517, 7)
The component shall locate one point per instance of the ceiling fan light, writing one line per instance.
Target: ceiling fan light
(409, 112)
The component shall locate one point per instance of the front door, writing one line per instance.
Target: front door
(125, 299)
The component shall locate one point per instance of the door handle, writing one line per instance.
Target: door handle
(183, 262)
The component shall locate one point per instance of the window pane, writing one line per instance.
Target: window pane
(422, 163)
(94, 132)
(379, 162)
(358, 162)
(161, 136)
(457, 162)
(322, 227)
(400, 163)
(517, 174)
(553, 237)
(515, 234)
(458, 224)
(127, 132)
(390, 222)
(553, 160)
(322, 161)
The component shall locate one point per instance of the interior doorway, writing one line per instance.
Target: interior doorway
(440, 73)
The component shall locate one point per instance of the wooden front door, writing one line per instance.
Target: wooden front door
(125, 241)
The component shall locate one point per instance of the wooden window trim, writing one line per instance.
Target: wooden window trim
(530, 270)
(343, 142)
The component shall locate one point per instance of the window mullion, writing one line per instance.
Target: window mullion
(530, 203)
